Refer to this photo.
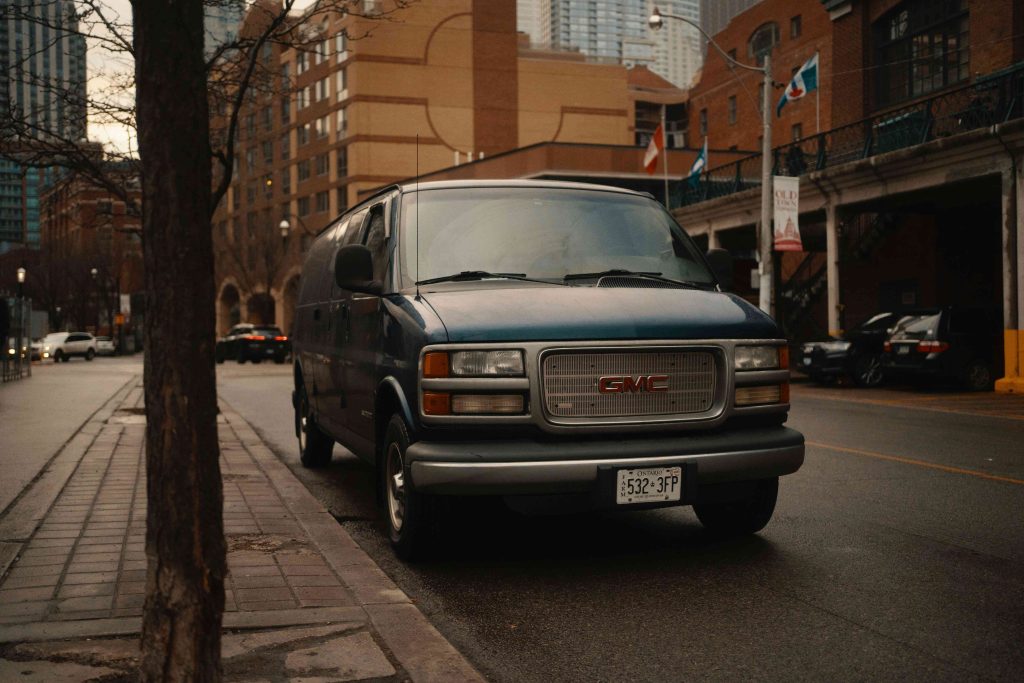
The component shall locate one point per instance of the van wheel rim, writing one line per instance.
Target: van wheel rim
(303, 425)
(396, 487)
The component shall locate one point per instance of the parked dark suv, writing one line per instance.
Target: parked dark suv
(953, 343)
(523, 337)
(253, 343)
(856, 354)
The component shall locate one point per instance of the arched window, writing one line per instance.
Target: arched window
(762, 41)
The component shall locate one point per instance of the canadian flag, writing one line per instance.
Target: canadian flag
(653, 149)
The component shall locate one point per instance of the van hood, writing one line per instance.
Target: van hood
(495, 313)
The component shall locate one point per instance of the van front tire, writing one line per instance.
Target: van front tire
(408, 512)
(742, 517)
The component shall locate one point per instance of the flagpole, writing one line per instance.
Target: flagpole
(664, 135)
(817, 96)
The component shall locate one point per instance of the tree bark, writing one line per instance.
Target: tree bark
(184, 528)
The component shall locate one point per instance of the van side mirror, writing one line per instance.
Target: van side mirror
(721, 264)
(353, 270)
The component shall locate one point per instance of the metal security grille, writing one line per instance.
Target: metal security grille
(571, 380)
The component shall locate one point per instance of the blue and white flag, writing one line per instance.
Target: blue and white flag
(804, 81)
(699, 164)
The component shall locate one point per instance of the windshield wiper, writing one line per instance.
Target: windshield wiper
(467, 275)
(650, 275)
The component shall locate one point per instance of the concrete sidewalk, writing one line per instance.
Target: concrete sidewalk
(303, 600)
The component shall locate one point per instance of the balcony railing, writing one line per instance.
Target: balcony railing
(993, 99)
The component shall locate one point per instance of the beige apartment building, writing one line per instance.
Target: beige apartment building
(451, 77)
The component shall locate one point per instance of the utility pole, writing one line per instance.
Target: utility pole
(764, 229)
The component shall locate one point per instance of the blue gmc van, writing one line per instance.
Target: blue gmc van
(524, 337)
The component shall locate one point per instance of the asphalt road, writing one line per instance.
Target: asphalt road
(896, 553)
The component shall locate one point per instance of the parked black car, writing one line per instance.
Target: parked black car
(954, 343)
(253, 342)
(857, 354)
(525, 337)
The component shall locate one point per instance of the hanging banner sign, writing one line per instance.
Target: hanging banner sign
(787, 213)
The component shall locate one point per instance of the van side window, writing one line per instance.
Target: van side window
(375, 242)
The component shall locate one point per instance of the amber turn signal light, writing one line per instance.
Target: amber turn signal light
(435, 364)
(435, 403)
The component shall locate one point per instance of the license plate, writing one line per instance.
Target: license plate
(902, 350)
(648, 485)
(807, 360)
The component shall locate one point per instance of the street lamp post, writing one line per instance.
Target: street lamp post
(656, 21)
(23, 335)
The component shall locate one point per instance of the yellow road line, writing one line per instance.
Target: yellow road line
(900, 403)
(919, 463)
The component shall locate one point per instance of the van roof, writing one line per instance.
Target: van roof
(554, 184)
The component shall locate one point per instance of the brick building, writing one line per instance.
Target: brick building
(912, 194)
(446, 82)
(725, 103)
(86, 228)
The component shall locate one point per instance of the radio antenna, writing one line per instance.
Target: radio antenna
(417, 215)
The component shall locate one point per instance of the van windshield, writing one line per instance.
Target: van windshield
(542, 233)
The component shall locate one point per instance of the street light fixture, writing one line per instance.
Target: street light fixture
(656, 21)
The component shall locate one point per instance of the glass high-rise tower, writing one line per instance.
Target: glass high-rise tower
(43, 97)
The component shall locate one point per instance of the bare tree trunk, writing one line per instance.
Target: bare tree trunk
(184, 528)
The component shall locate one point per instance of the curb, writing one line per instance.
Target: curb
(423, 652)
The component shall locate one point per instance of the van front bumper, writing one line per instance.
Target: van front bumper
(526, 466)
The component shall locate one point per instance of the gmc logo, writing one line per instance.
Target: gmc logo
(616, 384)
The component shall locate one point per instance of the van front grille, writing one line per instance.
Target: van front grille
(635, 384)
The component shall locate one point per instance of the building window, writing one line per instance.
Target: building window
(341, 84)
(268, 151)
(250, 124)
(762, 41)
(267, 118)
(320, 126)
(798, 132)
(340, 44)
(342, 162)
(342, 197)
(303, 206)
(303, 170)
(286, 180)
(302, 98)
(301, 62)
(795, 26)
(286, 147)
(321, 164)
(250, 158)
(286, 110)
(250, 193)
(342, 129)
(322, 92)
(322, 199)
(920, 47)
(732, 110)
(302, 133)
(703, 122)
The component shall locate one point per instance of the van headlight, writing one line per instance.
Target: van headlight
(500, 363)
(759, 358)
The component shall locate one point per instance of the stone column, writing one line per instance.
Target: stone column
(1013, 278)
(832, 267)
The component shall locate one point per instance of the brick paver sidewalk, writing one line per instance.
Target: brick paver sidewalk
(289, 562)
